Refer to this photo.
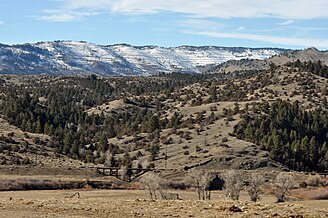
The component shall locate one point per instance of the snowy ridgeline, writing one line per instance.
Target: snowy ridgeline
(81, 58)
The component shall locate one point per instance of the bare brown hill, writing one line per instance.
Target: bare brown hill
(309, 54)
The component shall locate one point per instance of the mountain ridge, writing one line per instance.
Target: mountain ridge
(70, 58)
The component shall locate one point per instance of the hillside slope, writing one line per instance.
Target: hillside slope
(309, 54)
(175, 121)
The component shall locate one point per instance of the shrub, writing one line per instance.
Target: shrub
(34, 184)
(15, 148)
(198, 149)
(225, 139)
(177, 185)
(254, 186)
(200, 180)
(151, 182)
(26, 161)
(167, 141)
(303, 185)
(185, 147)
(284, 182)
(315, 180)
(233, 184)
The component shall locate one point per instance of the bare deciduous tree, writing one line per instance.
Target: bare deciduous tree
(123, 175)
(126, 173)
(200, 180)
(254, 185)
(233, 183)
(284, 182)
(151, 182)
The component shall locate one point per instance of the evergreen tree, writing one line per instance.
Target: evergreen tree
(154, 151)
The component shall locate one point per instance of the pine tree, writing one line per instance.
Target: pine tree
(126, 159)
(103, 143)
(154, 151)
(39, 128)
(313, 152)
(213, 93)
(153, 123)
(249, 132)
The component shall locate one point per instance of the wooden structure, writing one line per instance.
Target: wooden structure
(108, 171)
(131, 173)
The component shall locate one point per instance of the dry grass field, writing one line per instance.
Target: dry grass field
(135, 203)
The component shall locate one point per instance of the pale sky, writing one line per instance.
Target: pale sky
(247, 23)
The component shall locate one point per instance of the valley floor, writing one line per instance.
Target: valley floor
(135, 203)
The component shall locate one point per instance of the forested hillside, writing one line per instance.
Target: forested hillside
(293, 137)
(246, 120)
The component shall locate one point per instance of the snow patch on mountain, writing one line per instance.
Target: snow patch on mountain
(83, 58)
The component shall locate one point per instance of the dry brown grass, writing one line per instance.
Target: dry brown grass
(108, 107)
(310, 193)
(125, 204)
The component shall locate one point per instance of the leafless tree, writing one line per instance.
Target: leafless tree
(126, 173)
(151, 182)
(123, 175)
(233, 183)
(253, 188)
(200, 180)
(284, 182)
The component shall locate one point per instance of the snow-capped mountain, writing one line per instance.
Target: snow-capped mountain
(82, 58)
